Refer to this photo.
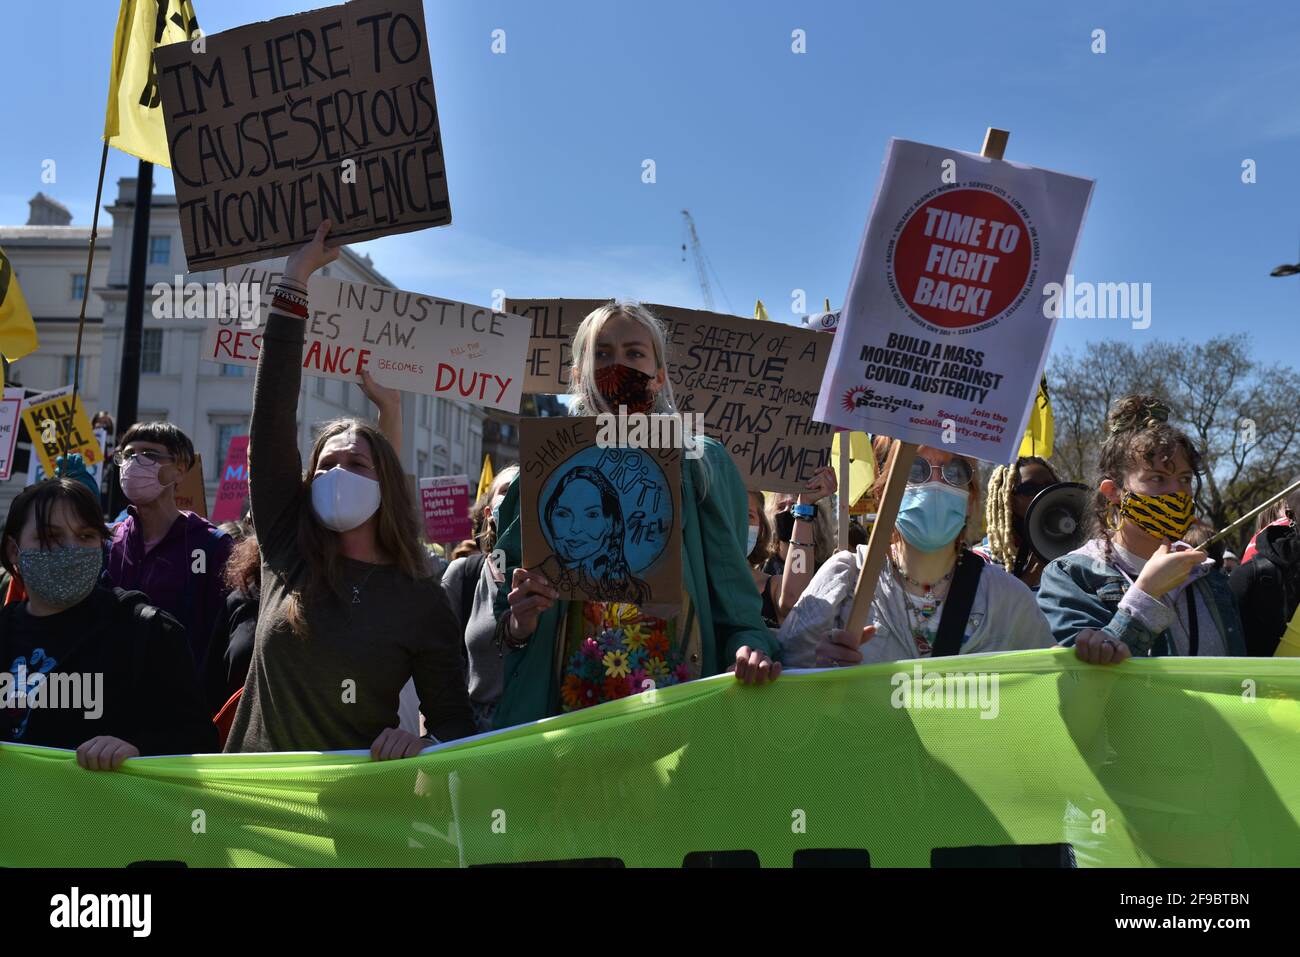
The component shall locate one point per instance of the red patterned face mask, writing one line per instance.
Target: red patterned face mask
(623, 385)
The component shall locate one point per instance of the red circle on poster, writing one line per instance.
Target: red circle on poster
(962, 258)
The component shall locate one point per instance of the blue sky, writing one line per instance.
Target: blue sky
(777, 154)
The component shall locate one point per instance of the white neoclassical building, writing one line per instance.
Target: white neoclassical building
(210, 401)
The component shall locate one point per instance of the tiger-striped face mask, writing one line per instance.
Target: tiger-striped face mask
(1164, 516)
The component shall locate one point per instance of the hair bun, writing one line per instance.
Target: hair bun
(1132, 413)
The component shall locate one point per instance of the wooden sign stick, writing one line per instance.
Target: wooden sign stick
(843, 496)
(901, 457)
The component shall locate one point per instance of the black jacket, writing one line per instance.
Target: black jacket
(149, 692)
(230, 652)
(1268, 588)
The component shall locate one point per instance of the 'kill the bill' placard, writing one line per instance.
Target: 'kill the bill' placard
(946, 325)
(275, 126)
(754, 382)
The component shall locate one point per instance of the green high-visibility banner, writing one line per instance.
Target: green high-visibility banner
(1170, 761)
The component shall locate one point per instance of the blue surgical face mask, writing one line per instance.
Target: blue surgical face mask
(753, 539)
(932, 514)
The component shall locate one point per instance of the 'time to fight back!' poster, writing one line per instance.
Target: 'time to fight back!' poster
(946, 326)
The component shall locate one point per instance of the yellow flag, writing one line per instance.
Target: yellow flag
(862, 464)
(133, 121)
(1038, 437)
(1289, 645)
(17, 331)
(484, 478)
(760, 310)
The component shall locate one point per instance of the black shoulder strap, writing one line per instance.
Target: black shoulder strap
(468, 582)
(956, 610)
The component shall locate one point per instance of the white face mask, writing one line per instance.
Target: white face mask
(753, 539)
(342, 500)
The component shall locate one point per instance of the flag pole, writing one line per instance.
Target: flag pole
(85, 289)
(128, 391)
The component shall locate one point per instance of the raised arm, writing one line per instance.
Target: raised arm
(275, 466)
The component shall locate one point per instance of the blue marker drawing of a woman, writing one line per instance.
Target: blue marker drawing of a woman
(584, 525)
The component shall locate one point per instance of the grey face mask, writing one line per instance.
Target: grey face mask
(61, 577)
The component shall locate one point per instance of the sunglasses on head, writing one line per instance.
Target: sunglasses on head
(955, 472)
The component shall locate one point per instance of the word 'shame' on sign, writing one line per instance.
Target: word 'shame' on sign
(754, 382)
(602, 524)
(281, 124)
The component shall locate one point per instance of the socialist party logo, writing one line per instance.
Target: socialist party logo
(962, 257)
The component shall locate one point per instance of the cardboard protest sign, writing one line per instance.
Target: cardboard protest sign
(281, 124)
(444, 500)
(406, 340)
(945, 328)
(754, 382)
(191, 496)
(10, 408)
(56, 424)
(601, 523)
(232, 493)
(36, 473)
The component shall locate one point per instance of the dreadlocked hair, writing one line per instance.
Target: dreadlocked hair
(1139, 434)
(999, 509)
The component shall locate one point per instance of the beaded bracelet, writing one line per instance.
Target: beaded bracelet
(293, 308)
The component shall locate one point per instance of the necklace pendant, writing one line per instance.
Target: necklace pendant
(356, 595)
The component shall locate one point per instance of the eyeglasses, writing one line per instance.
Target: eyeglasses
(152, 458)
(955, 472)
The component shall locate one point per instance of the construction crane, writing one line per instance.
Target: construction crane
(702, 265)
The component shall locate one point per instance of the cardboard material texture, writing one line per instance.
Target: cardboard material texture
(281, 124)
(191, 496)
(406, 340)
(600, 523)
(755, 382)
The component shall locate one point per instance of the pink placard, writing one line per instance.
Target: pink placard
(234, 483)
(445, 501)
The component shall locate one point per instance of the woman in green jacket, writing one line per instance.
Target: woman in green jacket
(567, 655)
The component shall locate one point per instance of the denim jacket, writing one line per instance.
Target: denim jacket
(1083, 590)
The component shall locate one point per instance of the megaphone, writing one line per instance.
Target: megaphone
(1054, 523)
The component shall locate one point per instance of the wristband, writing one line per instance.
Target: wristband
(803, 513)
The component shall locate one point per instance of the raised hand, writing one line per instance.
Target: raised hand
(822, 484)
(307, 259)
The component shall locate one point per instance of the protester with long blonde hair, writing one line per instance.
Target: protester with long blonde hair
(350, 611)
(620, 364)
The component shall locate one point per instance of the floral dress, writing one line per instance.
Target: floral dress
(612, 650)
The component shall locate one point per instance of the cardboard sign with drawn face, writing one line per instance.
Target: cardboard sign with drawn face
(601, 523)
